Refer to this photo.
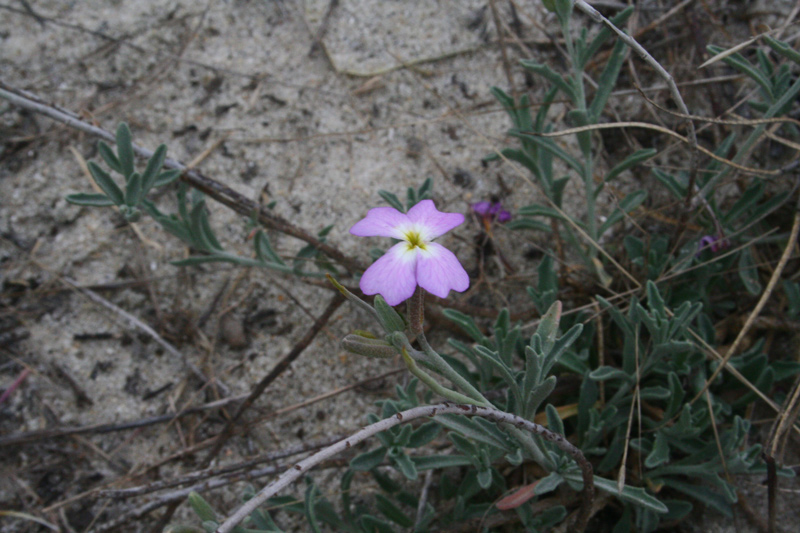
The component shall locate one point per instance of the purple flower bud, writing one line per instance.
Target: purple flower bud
(712, 242)
(489, 211)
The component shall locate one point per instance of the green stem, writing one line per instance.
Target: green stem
(448, 372)
(434, 385)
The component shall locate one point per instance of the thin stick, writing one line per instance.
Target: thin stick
(298, 470)
(176, 497)
(28, 437)
(423, 497)
(211, 473)
(277, 370)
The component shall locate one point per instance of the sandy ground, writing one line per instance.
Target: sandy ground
(313, 107)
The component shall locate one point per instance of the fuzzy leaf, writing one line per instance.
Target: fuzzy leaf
(90, 199)
(153, 168)
(125, 149)
(369, 460)
(106, 183)
(109, 157)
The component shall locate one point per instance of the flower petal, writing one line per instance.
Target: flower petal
(438, 271)
(432, 222)
(381, 222)
(392, 275)
(482, 208)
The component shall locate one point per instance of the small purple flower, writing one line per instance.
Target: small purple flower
(712, 242)
(489, 211)
(415, 260)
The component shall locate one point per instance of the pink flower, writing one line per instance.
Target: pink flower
(415, 260)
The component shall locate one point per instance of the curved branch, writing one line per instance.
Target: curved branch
(295, 472)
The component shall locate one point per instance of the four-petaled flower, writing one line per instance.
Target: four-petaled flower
(415, 260)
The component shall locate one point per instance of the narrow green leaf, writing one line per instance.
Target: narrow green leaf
(554, 422)
(660, 452)
(747, 200)
(627, 205)
(424, 434)
(167, 177)
(702, 494)
(265, 251)
(125, 150)
(176, 228)
(371, 524)
(748, 272)
(204, 511)
(632, 160)
(782, 48)
(200, 259)
(392, 200)
(634, 495)
(468, 428)
(493, 359)
(792, 290)
(200, 239)
(607, 81)
(106, 183)
(310, 507)
(438, 462)
(548, 327)
(677, 189)
(109, 157)
(528, 223)
(485, 478)
(90, 199)
(368, 460)
(561, 345)
(738, 62)
(547, 144)
(392, 512)
(405, 465)
(466, 323)
(390, 320)
(606, 373)
(548, 483)
(535, 210)
(133, 190)
(564, 85)
(151, 172)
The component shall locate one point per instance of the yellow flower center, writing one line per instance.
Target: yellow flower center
(414, 240)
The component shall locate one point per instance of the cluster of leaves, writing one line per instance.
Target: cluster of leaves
(660, 378)
(191, 223)
(136, 185)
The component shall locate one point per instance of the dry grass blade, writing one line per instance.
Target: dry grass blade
(665, 131)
